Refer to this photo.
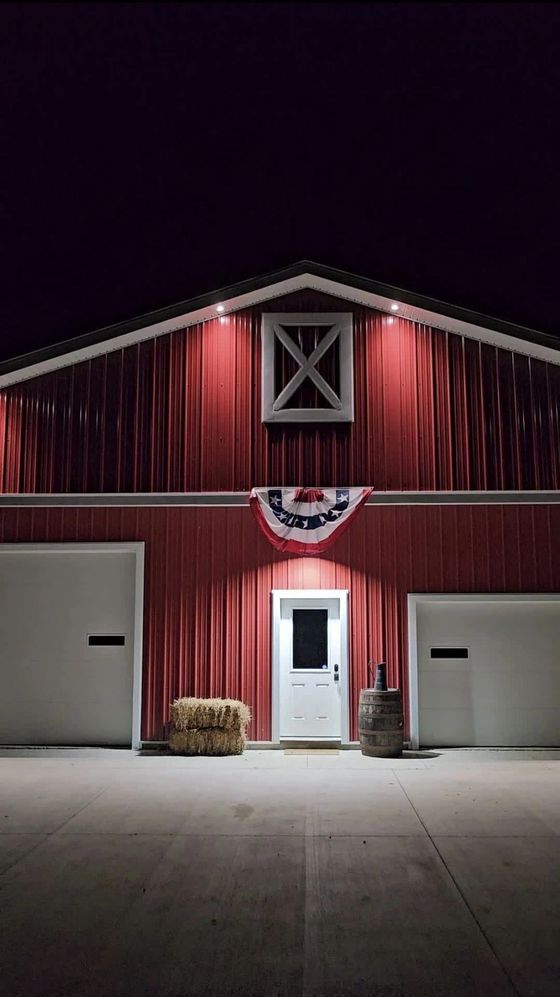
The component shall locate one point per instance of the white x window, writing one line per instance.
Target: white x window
(293, 346)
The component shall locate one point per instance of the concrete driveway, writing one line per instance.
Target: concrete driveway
(279, 874)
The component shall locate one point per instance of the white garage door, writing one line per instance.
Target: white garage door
(66, 646)
(489, 673)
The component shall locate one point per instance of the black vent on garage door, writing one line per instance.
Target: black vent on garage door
(449, 652)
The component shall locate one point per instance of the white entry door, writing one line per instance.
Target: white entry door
(310, 635)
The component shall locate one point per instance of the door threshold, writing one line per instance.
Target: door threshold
(310, 744)
(313, 751)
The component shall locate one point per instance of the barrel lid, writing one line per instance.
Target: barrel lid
(380, 692)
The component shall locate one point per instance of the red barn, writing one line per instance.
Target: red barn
(132, 570)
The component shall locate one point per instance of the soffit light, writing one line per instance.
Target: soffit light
(394, 307)
(220, 308)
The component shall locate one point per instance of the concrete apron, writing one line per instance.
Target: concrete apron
(279, 874)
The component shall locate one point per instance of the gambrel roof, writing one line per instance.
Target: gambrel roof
(299, 276)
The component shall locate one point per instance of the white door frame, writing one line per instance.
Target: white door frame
(342, 596)
(416, 599)
(136, 548)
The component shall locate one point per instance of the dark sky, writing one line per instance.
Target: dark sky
(154, 152)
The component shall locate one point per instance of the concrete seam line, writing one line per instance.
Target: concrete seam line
(311, 886)
(45, 835)
(460, 892)
(78, 811)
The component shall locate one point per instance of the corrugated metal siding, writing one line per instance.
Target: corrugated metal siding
(209, 574)
(182, 413)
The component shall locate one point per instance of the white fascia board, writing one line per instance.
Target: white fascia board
(159, 329)
(241, 499)
(306, 281)
(438, 321)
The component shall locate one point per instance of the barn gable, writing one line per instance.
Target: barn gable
(301, 276)
(182, 412)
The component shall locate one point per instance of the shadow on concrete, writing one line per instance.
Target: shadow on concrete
(421, 754)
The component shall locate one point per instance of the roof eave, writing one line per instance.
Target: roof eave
(304, 274)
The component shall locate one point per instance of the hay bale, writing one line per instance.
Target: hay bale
(208, 726)
(193, 713)
(206, 742)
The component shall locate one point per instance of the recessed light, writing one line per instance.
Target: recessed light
(394, 307)
(219, 308)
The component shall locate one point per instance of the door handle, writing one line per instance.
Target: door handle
(336, 675)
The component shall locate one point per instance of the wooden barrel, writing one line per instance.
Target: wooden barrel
(380, 723)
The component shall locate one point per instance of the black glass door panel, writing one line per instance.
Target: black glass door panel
(310, 638)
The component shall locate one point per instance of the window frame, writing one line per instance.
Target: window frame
(343, 322)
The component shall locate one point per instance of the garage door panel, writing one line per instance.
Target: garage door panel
(443, 690)
(41, 683)
(55, 688)
(460, 728)
(533, 727)
(454, 727)
(545, 692)
(36, 678)
(42, 723)
(507, 692)
(491, 688)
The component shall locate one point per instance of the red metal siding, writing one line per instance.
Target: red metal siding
(182, 413)
(209, 574)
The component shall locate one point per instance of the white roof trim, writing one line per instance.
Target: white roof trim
(345, 292)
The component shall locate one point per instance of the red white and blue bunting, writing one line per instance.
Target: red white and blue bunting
(306, 520)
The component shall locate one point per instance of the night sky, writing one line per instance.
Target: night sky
(155, 152)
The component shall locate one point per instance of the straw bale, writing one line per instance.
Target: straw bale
(193, 713)
(207, 742)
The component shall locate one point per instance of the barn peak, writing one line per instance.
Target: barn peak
(305, 274)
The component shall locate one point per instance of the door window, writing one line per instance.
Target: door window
(310, 649)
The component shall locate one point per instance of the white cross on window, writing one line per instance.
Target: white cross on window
(336, 402)
(307, 367)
